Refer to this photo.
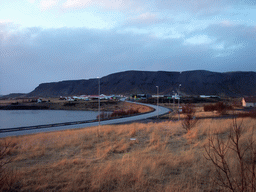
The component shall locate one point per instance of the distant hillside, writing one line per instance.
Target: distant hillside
(13, 95)
(129, 82)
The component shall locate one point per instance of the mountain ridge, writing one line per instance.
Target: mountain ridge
(196, 82)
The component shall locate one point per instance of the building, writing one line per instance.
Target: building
(139, 96)
(249, 102)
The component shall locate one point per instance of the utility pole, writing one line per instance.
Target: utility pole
(99, 101)
(157, 99)
(174, 95)
(179, 102)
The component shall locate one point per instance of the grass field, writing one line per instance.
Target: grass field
(154, 156)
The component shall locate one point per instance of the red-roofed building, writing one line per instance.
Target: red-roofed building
(249, 102)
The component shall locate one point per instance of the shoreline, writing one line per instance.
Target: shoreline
(56, 104)
(17, 131)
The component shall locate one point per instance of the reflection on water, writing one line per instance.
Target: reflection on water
(20, 118)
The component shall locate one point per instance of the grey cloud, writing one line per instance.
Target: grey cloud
(231, 35)
(43, 55)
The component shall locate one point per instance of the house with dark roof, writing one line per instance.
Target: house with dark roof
(249, 102)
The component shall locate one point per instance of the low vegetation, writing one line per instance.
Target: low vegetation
(190, 120)
(151, 156)
(251, 113)
(8, 177)
(56, 104)
(220, 107)
(119, 113)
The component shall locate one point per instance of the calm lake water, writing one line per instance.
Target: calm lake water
(20, 118)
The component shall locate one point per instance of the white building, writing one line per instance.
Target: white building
(249, 102)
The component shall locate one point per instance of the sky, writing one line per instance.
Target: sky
(54, 40)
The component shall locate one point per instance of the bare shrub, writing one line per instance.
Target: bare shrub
(233, 159)
(209, 107)
(220, 107)
(190, 121)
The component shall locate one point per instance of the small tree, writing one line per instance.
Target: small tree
(233, 160)
(190, 121)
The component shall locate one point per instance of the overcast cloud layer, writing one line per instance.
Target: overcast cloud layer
(53, 40)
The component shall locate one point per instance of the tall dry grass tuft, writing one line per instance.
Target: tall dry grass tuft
(132, 132)
(9, 177)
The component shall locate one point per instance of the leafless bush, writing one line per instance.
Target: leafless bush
(220, 107)
(190, 121)
(233, 159)
(209, 107)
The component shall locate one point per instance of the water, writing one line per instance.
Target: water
(21, 118)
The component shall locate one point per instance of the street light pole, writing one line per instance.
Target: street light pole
(179, 102)
(173, 100)
(99, 101)
(157, 99)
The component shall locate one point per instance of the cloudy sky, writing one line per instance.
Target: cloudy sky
(53, 40)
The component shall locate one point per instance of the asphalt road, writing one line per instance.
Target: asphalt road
(158, 111)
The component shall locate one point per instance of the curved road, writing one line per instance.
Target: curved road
(158, 111)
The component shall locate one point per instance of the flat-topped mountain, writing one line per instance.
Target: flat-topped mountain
(131, 82)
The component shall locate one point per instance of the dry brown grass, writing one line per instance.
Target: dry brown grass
(163, 157)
